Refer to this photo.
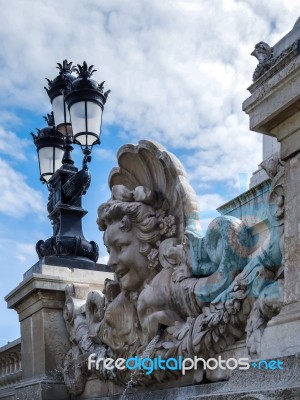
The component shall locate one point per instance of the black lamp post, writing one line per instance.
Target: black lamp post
(84, 99)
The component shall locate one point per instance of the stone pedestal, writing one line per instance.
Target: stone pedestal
(273, 108)
(39, 300)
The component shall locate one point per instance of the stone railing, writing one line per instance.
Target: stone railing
(10, 363)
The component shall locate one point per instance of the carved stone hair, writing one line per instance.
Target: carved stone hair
(133, 215)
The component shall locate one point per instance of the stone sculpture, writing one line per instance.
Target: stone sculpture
(268, 61)
(264, 53)
(196, 294)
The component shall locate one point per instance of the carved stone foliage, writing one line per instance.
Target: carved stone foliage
(198, 293)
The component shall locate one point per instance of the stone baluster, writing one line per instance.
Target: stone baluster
(10, 367)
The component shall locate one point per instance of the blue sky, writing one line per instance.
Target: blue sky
(178, 71)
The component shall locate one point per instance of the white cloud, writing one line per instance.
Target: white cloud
(178, 70)
(147, 51)
(103, 259)
(17, 197)
(12, 145)
(225, 152)
(210, 201)
(25, 252)
(8, 118)
(104, 154)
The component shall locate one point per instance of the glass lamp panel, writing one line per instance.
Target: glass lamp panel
(58, 156)
(60, 111)
(78, 117)
(94, 117)
(46, 177)
(46, 160)
(50, 159)
(81, 139)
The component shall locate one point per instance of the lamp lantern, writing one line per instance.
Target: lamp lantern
(85, 99)
(50, 146)
(56, 92)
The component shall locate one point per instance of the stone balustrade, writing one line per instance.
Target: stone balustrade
(10, 363)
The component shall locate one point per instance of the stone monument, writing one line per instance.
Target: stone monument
(231, 294)
(176, 294)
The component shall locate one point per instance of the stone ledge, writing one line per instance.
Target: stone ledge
(41, 388)
(275, 100)
(245, 198)
(277, 63)
(54, 278)
(251, 384)
(281, 336)
(71, 274)
(289, 313)
(10, 345)
(7, 393)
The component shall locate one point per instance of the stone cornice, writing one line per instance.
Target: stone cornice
(272, 65)
(245, 197)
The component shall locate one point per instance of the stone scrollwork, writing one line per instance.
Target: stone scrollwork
(195, 294)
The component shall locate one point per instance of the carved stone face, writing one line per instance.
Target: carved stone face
(125, 260)
(118, 328)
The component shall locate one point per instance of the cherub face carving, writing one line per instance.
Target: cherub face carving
(125, 259)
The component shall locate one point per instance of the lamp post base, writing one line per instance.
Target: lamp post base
(70, 262)
(68, 247)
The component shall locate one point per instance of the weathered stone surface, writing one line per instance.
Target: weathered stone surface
(252, 384)
(273, 109)
(251, 206)
(175, 292)
(271, 146)
(292, 229)
(281, 337)
(41, 388)
(188, 295)
(39, 301)
(257, 178)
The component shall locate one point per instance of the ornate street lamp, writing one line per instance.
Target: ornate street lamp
(85, 100)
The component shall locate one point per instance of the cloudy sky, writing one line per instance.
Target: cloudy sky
(178, 71)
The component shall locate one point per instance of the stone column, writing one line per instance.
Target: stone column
(273, 108)
(39, 300)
